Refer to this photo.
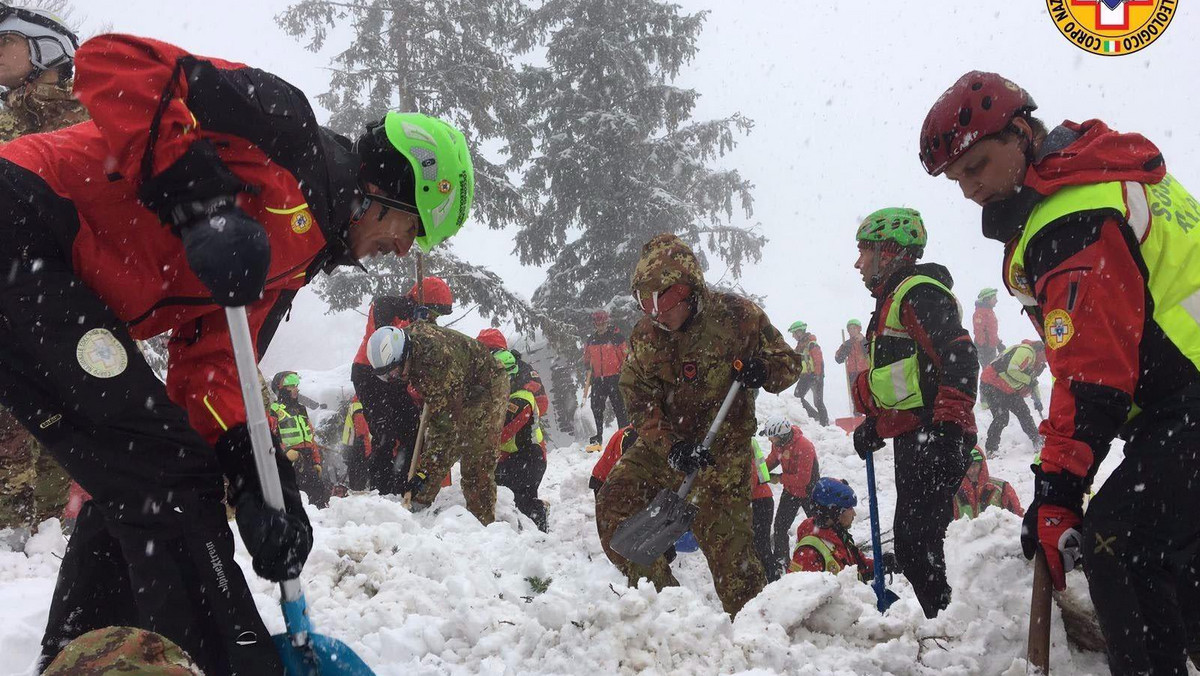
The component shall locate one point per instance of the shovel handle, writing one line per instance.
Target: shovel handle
(1039, 615)
(713, 429)
(260, 430)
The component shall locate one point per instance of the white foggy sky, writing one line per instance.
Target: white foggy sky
(837, 91)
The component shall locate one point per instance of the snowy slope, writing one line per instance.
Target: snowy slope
(436, 593)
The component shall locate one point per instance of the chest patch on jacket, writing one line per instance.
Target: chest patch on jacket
(690, 371)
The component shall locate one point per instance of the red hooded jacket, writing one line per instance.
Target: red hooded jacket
(799, 460)
(122, 252)
(1089, 266)
(985, 492)
(808, 559)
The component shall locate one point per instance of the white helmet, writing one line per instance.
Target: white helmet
(387, 348)
(51, 44)
(776, 427)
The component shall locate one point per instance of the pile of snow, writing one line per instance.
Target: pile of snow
(437, 593)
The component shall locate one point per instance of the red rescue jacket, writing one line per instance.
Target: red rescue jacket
(120, 250)
(973, 498)
(612, 453)
(799, 461)
(604, 353)
(808, 559)
(1090, 267)
(987, 329)
(812, 362)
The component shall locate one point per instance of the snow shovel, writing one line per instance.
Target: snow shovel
(302, 651)
(645, 536)
(884, 596)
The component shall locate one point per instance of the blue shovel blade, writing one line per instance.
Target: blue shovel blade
(324, 657)
(885, 598)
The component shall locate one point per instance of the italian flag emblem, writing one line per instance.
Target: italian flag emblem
(1112, 46)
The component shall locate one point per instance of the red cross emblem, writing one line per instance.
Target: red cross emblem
(1112, 14)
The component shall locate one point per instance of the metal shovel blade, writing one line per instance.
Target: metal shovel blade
(647, 535)
(323, 656)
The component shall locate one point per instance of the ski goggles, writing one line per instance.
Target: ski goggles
(663, 301)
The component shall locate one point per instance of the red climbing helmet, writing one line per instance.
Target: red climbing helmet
(437, 294)
(977, 106)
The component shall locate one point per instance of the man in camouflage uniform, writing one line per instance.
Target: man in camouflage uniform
(466, 391)
(679, 369)
(37, 54)
(122, 650)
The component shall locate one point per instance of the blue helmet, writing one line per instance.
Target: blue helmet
(834, 493)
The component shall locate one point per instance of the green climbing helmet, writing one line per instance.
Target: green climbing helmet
(899, 225)
(437, 174)
(507, 360)
(987, 293)
(797, 326)
(854, 322)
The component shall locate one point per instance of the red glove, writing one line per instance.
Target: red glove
(1056, 530)
(1052, 523)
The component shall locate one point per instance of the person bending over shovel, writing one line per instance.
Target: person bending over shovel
(679, 369)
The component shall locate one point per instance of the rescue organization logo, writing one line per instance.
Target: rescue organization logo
(690, 370)
(301, 221)
(101, 354)
(1112, 27)
(1059, 329)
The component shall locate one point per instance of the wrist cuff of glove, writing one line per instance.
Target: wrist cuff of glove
(1058, 488)
(235, 454)
(198, 176)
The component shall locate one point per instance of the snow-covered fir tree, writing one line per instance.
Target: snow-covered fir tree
(619, 158)
(451, 59)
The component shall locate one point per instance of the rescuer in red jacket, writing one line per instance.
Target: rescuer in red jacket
(603, 356)
(797, 456)
(1100, 244)
(987, 336)
(199, 183)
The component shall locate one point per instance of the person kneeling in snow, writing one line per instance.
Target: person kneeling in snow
(466, 390)
(979, 491)
(823, 541)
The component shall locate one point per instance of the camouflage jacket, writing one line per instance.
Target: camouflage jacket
(122, 650)
(454, 374)
(35, 108)
(674, 381)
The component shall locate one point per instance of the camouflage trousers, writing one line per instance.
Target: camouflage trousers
(474, 441)
(722, 526)
(33, 486)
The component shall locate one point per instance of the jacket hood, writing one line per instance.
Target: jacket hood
(984, 475)
(667, 261)
(1074, 154)
(1090, 152)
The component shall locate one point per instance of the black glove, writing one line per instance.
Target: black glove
(688, 457)
(278, 542)
(753, 373)
(415, 484)
(229, 251)
(949, 438)
(888, 560)
(866, 439)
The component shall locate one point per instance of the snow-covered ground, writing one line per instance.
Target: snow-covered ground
(436, 593)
